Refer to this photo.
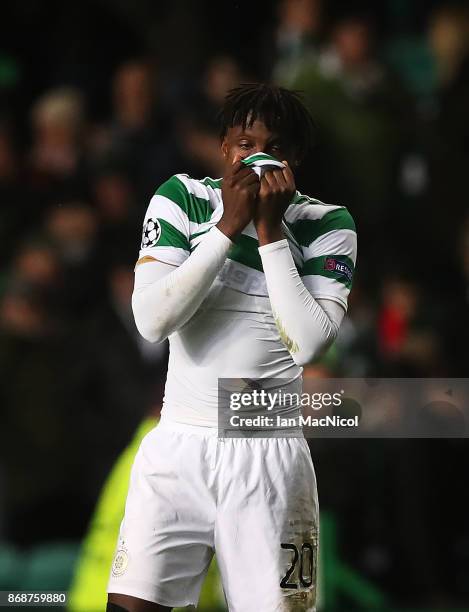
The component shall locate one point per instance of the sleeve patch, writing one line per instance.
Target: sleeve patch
(151, 233)
(339, 267)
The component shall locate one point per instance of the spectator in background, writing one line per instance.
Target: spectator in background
(398, 312)
(25, 312)
(72, 228)
(221, 74)
(35, 279)
(36, 264)
(139, 135)
(296, 39)
(408, 335)
(133, 97)
(56, 157)
(119, 217)
(448, 35)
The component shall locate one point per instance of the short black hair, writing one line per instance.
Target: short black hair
(282, 110)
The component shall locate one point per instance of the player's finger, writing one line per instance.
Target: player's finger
(280, 178)
(250, 179)
(241, 168)
(237, 166)
(254, 187)
(271, 178)
(288, 175)
(244, 173)
(268, 178)
(250, 175)
(264, 186)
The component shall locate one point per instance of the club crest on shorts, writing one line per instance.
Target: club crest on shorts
(151, 233)
(120, 562)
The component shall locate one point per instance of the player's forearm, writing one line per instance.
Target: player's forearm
(163, 304)
(304, 326)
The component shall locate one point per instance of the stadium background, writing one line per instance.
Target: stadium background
(99, 103)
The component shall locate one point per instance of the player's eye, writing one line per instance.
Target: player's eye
(245, 145)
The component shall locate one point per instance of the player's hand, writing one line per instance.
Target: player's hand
(275, 194)
(240, 187)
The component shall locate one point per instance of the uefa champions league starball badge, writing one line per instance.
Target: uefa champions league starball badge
(151, 233)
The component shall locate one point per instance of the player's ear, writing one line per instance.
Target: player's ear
(224, 148)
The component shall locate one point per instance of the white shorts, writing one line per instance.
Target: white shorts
(252, 501)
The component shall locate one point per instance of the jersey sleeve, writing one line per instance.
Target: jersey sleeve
(330, 255)
(166, 227)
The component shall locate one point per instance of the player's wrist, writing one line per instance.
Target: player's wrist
(220, 241)
(267, 233)
(230, 230)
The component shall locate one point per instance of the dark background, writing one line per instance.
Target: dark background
(102, 101)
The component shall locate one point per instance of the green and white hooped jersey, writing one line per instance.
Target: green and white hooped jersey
(233, 335)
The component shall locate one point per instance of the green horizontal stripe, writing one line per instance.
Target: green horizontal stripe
(307, 231)
(298, 198)
(197, 209)
(192, 236)
(316, 265)
(216, 184)
(258, 157)
(197, 234)
(245, 251)
(172, 237)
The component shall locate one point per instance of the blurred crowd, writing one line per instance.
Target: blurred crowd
(107, 102)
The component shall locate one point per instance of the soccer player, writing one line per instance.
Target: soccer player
(247, 278)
